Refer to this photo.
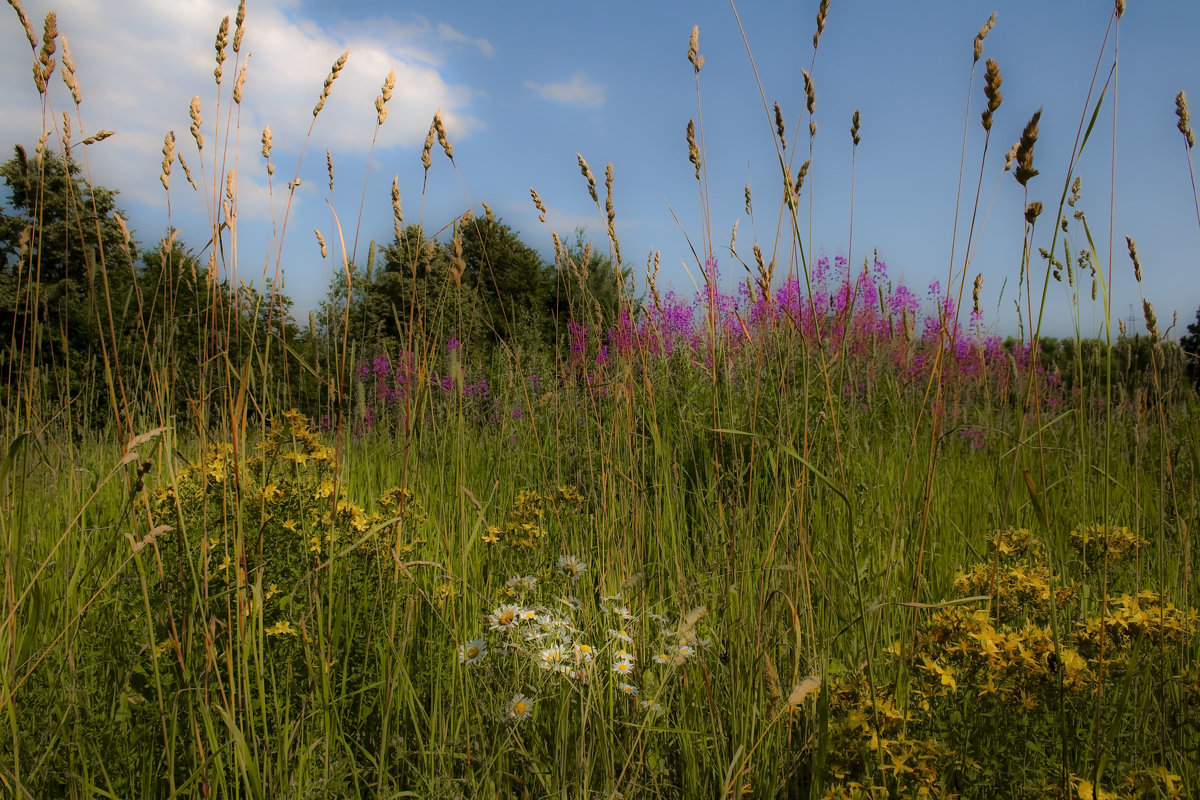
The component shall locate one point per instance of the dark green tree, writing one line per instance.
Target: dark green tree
(67, 280)
(1191, 350)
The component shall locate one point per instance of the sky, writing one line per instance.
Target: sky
(525, 86)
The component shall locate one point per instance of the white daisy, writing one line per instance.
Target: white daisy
(628, 688)
(504, 618)
(472, 652)
(519, 707)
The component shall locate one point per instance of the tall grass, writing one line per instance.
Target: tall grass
(816, 538)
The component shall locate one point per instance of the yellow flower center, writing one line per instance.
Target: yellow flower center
(472, 652)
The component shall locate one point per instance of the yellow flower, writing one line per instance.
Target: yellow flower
(281, 628)
(289, 525)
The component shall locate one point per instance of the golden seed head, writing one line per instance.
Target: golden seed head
(487, 212)
(230, 185)
(68, 74)
(810, 93)
(779, 127)
(1011, 156)
(334, 71)
(812, 128)
(537, 202)
(29, 34)
(991, 89)
(66, 129)
(558, 249)
(49, 34)
(1024, 154)
(749, 207)
(854, 128)
(98, 136)
(427, 150)
(978, 288)
(983, 32)
(822, 13)
(1120, 8)
(801, 175)
(1181, 111)
(441, 135)
(194, 112)
(586, 171)
(329, 168)
(219, 46)
(168, 152)
(321, 241)
(1151, 319)
(1133, 256)
(240, 83)
(397, 213)
(268, 140)
(694, 56)
(187, 173)
(239, 23)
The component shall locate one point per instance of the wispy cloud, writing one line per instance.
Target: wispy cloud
(577, 91)
(450, 34)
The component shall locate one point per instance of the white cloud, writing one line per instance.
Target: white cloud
(577, 91)
(450, 34)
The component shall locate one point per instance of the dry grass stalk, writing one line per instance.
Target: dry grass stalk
(1024, 154)
(591, 179)
(29, 34)
(219, 45)
(168, 152)
(694, 56)
(194, 113)
(822, 13)
(771, 678)
(389, 84)
(537, 201)
(693, 150)
(854, 127)
(268, 140)
(334, 71)
(652, 278)
(1181, 111)
(321, 241)
(991, 90)
(979, 37)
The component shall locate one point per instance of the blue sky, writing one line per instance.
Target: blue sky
(525, 86)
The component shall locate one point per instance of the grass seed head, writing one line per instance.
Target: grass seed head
(537, 202)
(822, 14)
(1133, 256)
(219, 45)
(854, 127)
(1151, 320)
(427, 149)
(693, 150)
(168, 152)
(1024, 154)
(801, 175)
(240, 84)
(979, 37)
(24, 19)
(267, 141)
(440, 127)
(194, 113)
(1120, 8)
(749, 206)
(334, 71)
(397, 213)
(586, 171)
(1032, 211)
(1181, 111)
(239, 24)
(329, 167)
(779, 127)
(694, 56)
(991, 90)
(810, 92)
(68, 74)
(321, 242)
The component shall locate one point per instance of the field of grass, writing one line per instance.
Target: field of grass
(818, 539)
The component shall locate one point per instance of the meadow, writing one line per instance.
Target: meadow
(825, 536)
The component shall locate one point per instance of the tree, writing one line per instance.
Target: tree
(1191, 349)
(67, 278)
